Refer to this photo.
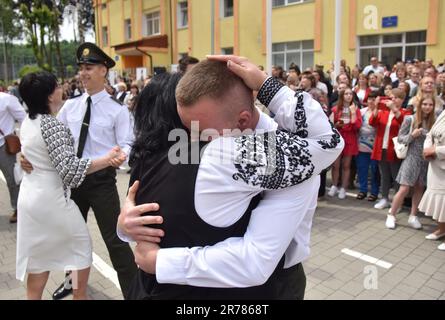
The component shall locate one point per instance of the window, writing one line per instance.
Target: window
(299, 52)
(226, 8)
(128, 29)
(279, 3)
(227, 50)
(103, 6)
(152, 24)
(391, 47)
(182, 14)
(105, 36)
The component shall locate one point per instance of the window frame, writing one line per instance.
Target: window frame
(155, 16)
(299, 50)
(227, 51)
(382, 45)
(105, 36)
(223, 11)
(128, 29)
(179, 15)
(287, 3)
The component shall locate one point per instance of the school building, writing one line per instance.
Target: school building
(156, 33)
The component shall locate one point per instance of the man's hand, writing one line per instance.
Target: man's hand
(25, 164)
(145, 255)
(132, 224)
(429, 153)
(252, 76)
(117, 157)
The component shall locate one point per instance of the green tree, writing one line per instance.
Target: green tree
(9, 29)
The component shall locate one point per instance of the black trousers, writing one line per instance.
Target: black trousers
(99, 192)
(290, 283)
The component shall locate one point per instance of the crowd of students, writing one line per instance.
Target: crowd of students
(370, 107)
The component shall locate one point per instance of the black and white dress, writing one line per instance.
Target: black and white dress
(51, 233)
(414, 168)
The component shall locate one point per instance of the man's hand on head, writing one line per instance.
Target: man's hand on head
(252, 76)
(132, 224)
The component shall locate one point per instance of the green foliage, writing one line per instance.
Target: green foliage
(28, 69)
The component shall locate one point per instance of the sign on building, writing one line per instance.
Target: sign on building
(389, 22)
(141, 73)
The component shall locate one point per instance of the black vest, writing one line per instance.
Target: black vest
(173, 187)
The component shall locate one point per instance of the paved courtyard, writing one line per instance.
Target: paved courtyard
(353, 255)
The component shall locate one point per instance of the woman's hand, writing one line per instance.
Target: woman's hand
(429, 153)
(116, 157)
(416, 133)
(25, 164)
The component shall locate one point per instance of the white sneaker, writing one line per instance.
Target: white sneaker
(414, 222)
(433, 236)
(390, 222)
(382, 204)
(398, 210)
(333, 191)
(342, 194)
(441, 247)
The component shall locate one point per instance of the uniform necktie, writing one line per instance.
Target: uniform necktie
(84, 129)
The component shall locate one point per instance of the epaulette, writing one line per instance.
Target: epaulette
(116, 100)
(76, 96)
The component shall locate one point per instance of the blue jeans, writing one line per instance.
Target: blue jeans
(363, 161)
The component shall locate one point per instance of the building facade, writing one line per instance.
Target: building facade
(156, 33)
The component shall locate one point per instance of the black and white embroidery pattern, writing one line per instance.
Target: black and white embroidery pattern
(268, 90)
(272, 160)
(300, 116)
(60, 144)
(333, 143)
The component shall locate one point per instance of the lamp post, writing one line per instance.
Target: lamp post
(338, 31)
(5, 66)
(269, 37)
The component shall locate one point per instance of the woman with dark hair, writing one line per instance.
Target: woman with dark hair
(157, 112)
(51, 233)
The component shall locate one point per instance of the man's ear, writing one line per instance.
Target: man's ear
(245, 120)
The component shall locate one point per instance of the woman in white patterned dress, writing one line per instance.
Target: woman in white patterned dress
(433, 200)
(51, 233)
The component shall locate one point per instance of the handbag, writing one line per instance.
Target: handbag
(401, 149)
(12, 143)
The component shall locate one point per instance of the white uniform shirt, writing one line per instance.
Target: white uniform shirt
(10, 111)
(279, 225)
(370, 68)
(109, 124)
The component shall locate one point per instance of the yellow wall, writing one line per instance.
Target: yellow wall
(294, 22)
(437, 52)
(150, 5)
(201, 31)
(290, 23)
(226, 32)
(183, 40)
(250, 30)
(412, 15)
(127, 9)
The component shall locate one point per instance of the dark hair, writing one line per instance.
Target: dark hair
(35, 89)
(373, 95)
(155, 116)
(184, 62)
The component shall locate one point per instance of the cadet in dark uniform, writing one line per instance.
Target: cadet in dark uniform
(98, 122)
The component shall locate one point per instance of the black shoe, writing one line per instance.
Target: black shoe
(62, 292)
